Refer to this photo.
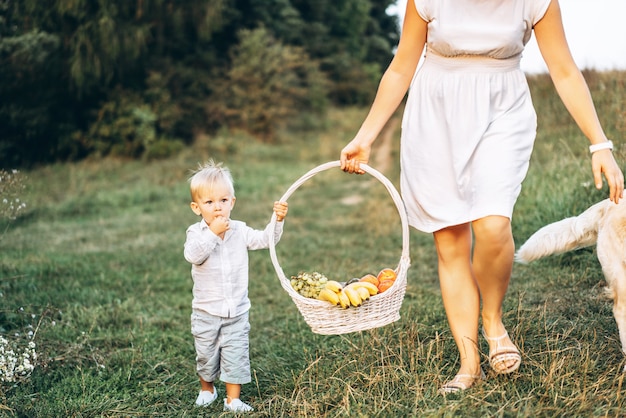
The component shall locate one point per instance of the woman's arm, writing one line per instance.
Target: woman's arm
(391, 90)
(574, 92)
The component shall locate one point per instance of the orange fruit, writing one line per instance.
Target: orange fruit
(384, 285)
(370, 278)
(386, 274)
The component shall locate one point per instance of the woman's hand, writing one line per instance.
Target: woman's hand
(603, 162)
(352, 155)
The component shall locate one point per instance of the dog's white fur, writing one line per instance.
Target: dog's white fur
(603, 224)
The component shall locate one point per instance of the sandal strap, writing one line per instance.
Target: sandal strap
(504, 350)
(452, 387)
(468, 376)
(501, 356)
(456, 385)
(501, 337)
(508, 352)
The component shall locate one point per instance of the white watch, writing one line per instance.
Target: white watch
(601, 146)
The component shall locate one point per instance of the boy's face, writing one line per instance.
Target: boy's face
(211, 203)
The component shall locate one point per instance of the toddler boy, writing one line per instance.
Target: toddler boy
(217, 248)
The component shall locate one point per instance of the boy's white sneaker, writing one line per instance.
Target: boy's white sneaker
(236, 405)
(206, 398)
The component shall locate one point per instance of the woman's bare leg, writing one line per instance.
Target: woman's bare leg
(460, 293)
(492, 263)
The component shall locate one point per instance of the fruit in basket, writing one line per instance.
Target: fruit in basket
(363, 293)
(353, 280)
(384, 285)
(334, 286)
(344, 300)
(386, 274)
(370, 278)
(353, 295)
(309, 285)
(371, 289)
(329, 296)
(331, 291)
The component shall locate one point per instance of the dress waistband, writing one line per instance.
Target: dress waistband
(472, 63)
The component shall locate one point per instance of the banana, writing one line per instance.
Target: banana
(353, 295)
(344, 300)
(353, 280)
(329, 296)
(363, 293)
(334, 286)
(371, 288)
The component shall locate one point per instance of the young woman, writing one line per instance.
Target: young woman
(467, 136)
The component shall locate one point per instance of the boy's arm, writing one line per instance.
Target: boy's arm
(280, 209)
(199, 244)
(256, 239)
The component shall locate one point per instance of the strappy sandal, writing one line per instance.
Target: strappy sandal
(462, 382)
(500, 355)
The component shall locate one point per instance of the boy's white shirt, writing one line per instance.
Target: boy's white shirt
(220, 267)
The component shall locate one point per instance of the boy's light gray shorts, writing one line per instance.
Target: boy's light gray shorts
(222, 347)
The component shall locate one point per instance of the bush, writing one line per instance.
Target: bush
(126, 126)
(267, 84)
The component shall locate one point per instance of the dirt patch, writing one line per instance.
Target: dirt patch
(352, 200)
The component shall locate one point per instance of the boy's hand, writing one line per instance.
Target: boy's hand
(280, 209)
(220, 225)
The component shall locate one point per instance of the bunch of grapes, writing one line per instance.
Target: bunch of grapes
(309, 285)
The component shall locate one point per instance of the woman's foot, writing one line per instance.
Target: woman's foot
(504, 356)
(462, 382)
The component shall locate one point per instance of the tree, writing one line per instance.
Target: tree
(74, 71)
(31, 99)
(352, 39)
(267, 84)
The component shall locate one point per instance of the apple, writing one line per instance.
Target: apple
(386, 274)
(370, 278)
(384, 285)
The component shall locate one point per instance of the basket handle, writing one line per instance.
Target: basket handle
(404, 260)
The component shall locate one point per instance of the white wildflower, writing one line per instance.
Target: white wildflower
(16, 362)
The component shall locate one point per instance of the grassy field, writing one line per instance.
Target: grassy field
(93, 270)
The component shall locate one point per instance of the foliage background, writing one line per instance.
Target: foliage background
(143, 78)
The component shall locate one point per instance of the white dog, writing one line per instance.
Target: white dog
(603, 224)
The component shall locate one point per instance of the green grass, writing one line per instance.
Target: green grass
(95, 266)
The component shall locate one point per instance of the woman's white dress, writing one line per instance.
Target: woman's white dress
(469, 124)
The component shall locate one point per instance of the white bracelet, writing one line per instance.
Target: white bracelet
(601, 146)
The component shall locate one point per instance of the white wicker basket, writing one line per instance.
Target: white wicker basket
(381, 309)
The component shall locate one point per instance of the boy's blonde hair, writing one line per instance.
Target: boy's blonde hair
(209, 174)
